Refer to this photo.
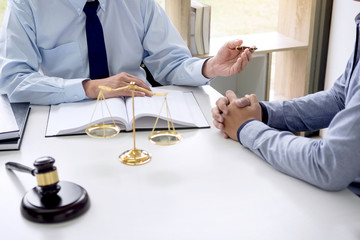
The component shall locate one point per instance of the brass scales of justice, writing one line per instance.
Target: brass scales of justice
(134, 156)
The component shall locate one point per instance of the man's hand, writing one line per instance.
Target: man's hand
(236, 116)
(221, 108)
(116, 81)
(228, 61)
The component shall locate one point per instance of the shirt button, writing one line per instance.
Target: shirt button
(76, 97)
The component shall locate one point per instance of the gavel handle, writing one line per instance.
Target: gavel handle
(19, 167)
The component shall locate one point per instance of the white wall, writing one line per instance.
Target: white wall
(342, 38)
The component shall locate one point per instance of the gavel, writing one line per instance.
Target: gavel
(51, 201)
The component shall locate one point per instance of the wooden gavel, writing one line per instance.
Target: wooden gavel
(51, 200)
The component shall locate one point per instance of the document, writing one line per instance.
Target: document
(8, 126)
(21, 112)
(74, 118)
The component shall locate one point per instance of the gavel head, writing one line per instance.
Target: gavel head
(47, 176)
(51, 200)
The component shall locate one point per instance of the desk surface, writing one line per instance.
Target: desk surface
(205, 187)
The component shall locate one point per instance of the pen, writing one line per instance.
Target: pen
(242, 48)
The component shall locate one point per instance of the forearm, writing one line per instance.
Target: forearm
(172, 64)
(308, 113)
(312, 112)
(186, 73)
(21, 60)
(331, 163)
(38, 89)
(165, 53)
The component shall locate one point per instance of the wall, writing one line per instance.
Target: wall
(251, 80)
(342, 38)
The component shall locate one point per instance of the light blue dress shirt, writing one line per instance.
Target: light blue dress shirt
(331, 163)
(43, 53)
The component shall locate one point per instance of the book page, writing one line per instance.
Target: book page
(74, 118)
(195, 111)
(184, 110)
(8, 126)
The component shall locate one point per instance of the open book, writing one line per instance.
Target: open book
(74, 118)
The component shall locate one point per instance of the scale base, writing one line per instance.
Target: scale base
(135, 157)
(70, 202)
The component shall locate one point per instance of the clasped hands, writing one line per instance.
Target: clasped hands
(231, 112)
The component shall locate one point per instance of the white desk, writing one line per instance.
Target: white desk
(206, 187)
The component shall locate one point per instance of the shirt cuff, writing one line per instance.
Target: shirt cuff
(241, 127)
(74, 90)
(251, 132)
(199, 75)
(264, 113)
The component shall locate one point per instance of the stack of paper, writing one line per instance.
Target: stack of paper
(12, 123)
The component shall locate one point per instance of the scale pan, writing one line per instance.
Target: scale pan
(165, 137)
(103, 130)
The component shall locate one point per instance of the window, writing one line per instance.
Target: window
(2, 11)
(231, 17)
(162, 3)
(238, 17)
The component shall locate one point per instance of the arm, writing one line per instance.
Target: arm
(312, 112)
(331, 163)
(170, 61)
(309, 113)
(20, 61)
(45, 62)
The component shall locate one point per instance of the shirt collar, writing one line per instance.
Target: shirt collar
(79, 5)
(357, 19)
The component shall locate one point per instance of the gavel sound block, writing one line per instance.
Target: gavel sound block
(51, 201)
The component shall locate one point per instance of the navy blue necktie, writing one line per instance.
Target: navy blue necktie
(96, 44)
(357, 46)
